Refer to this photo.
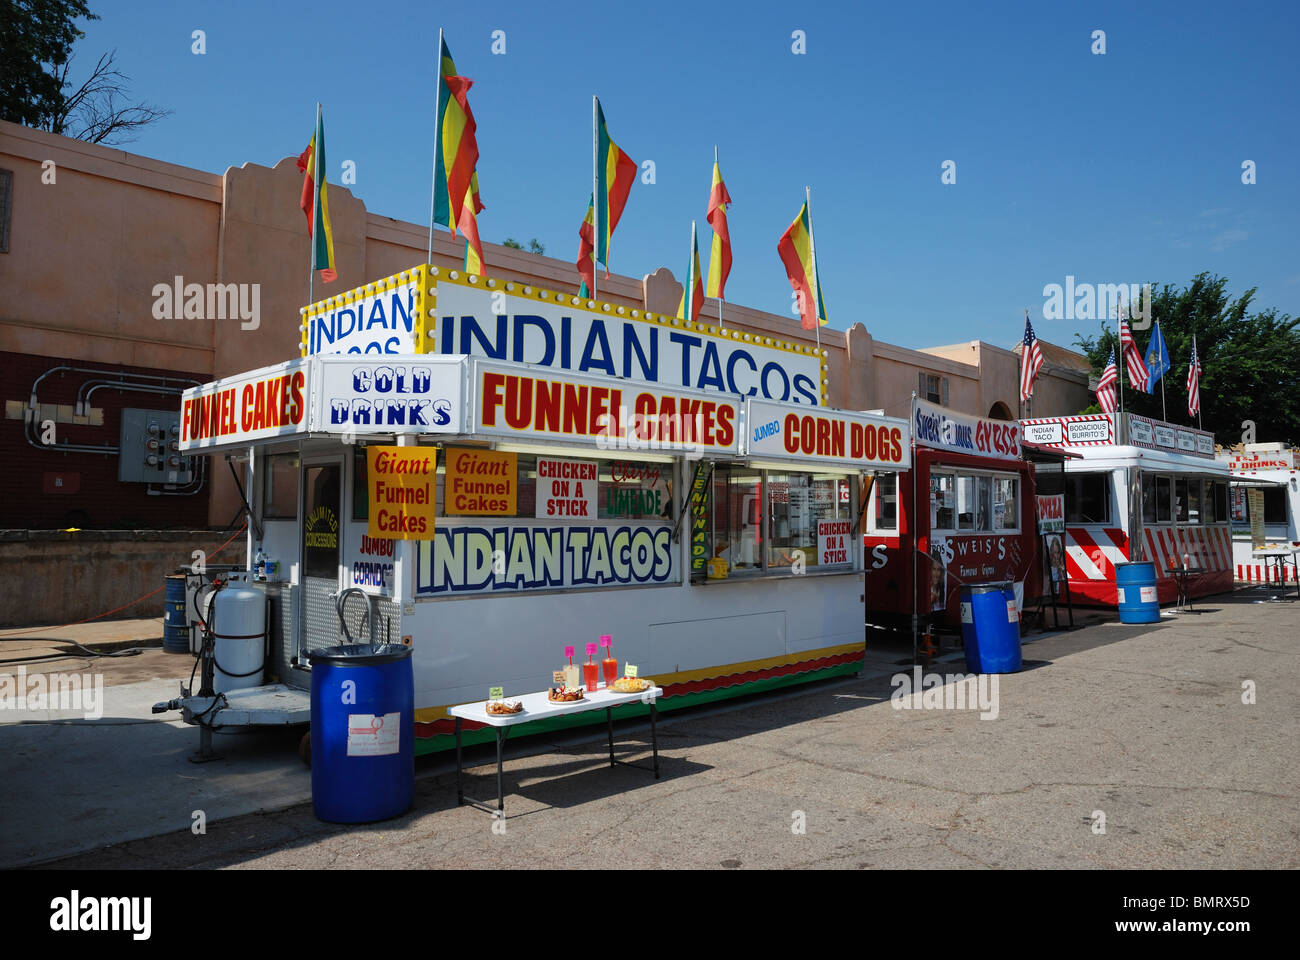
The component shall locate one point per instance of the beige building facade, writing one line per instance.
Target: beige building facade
(96, 242)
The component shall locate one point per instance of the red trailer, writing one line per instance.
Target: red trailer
(976, 523)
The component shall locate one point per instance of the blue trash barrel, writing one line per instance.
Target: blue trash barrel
(1135, 586)
(990, 627)
(362, 732)
(176, 629)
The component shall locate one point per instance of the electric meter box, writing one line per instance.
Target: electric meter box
(150, 448)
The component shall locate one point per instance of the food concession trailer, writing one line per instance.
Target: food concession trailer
(559, 469)
(976, 523)
(1139, 489)
(1271, 469)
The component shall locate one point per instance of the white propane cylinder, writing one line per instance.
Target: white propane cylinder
(239, 637)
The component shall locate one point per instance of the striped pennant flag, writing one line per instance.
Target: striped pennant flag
(456, 155)
(615, 171)
(1194, 383)
(468, 223)
(586, 246)
(315, 197)
(720, 255)
(694, 285)
(1106, 386)
(796, 251)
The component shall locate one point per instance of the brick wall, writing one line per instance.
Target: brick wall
(50, 489)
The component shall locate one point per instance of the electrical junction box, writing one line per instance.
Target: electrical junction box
(150, 448)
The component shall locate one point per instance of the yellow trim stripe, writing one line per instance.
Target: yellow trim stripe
(430, 714)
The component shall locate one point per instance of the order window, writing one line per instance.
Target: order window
(885, 510)
(982, 503)
(1087, 498)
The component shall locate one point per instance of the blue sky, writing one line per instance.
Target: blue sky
(1114, 168)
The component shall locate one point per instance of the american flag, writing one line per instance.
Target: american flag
(1194, 383)
(1106, 386)
(1137, 370)
(1031, 360)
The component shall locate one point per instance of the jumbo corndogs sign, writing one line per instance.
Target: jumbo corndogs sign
(778, 431)
(535, 403)
(269, 402)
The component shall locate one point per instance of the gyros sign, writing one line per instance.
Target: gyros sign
(945, 429)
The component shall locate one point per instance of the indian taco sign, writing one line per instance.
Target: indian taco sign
(945, 429)
(403, 491)
(251, 406)
(857, 440)
(509, 321)
(382, 317)
(515, 558)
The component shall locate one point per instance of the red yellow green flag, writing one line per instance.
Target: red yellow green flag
(720, 256)
(468, 223)
(694, 284)
(315, 197)
(586, 244)
(456, 153)
(615, 171)
(796, 251)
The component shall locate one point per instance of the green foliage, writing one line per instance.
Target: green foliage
(38, 37)
(1250, 361)
(533, 245)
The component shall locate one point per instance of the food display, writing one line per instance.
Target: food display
(630, 685)
(564, 694)
(504, 708)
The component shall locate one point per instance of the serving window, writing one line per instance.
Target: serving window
(884, 503)
(762, 521)
(1190, 500)
(976, 502)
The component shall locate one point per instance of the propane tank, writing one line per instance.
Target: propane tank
(239, 637)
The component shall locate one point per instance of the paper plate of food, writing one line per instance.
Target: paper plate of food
(630, 685)
(564, 694)
(504, 708)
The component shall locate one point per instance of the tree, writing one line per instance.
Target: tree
(1250, 361)
(34, 76)
(95, 111)
(533, 245)
(38, 38)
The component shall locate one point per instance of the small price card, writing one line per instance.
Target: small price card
(496, 693)
(557, 676)
(630, 670)
(591, 649)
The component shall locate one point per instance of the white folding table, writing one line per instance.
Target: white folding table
(538, 707)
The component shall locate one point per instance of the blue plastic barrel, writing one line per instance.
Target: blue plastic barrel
(990, 627)
(1135, 585)
(362, 732)
(176, 629)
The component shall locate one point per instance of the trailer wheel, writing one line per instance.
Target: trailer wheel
(304, 748)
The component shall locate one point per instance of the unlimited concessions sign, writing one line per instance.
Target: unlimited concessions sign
(945, 429)
(860, 441)
(531, 403)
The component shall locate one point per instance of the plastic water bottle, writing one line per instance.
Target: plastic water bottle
(259, 564)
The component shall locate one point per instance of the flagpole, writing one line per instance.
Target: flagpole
(1119, 367)
(1029, 401)
(812, 251)
(595, 199)
(437, 145)
(315, 211)
(688, 298)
